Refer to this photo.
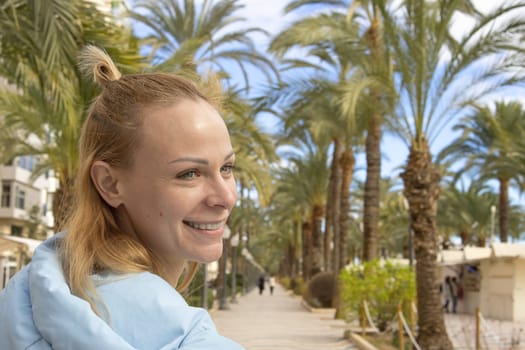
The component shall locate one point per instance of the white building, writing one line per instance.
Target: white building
(26, 202)
(25, 211)
(493, 279)
(14, 253)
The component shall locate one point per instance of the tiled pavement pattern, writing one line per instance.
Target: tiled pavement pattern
(279, 322)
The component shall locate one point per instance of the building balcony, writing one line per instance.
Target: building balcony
(14, 213)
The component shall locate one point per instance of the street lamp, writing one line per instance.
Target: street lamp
(234, 243)
(492, 223)
(410, 235)
(244, 264)
(224, 291)
(205, 286)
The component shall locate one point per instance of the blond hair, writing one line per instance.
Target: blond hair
(94, 242)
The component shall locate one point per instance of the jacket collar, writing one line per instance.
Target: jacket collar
(65, 320)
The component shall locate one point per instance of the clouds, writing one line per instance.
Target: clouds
(266, 14)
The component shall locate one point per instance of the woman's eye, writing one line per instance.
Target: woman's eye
(227, 169)
(191, 174)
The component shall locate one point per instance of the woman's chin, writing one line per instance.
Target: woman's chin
(210, 255)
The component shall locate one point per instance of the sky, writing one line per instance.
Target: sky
(268, 14)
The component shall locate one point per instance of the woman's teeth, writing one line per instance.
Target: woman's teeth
(208, 227)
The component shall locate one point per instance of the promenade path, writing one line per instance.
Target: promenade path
(279, 322)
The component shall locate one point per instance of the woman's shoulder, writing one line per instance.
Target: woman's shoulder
(18, 330)
(144, 303)
(141, 287)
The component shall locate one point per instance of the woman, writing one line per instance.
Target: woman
(155, 187)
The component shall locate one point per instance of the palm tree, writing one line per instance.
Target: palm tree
(376, 97)
(466, 212)
(282, 237)
(517, 222)
(305, 180)
(328, 40)
(486, 140)
(45, 102)
(437, 75)
(350, 38)
(394, 224)
(184, 35)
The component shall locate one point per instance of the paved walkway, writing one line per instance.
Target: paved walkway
(495, 334)
(279, 322)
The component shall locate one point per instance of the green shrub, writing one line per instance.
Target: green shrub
(383, 286)
(193, 294)
(196, 299)
(238, 283)
(320, 290)
(298, 286)
(285, 282)
(295, 284)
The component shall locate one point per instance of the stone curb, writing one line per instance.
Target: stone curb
(359, 341)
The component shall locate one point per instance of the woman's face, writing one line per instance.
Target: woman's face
(180, 190)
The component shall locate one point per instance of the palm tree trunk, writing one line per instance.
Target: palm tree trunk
(347, 167)
(329, 213)
(287, 264)
(317, 242)
(347, 162)
(421, 181)
(307, 250)
(336, 179)
(503, 209)
(464, 235)
(336, 203)
(297, 241)
(372, 189)
(482, 241)
(62, 203)
(372, 144)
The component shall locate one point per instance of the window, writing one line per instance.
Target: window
(27, 162)
(8, 269)
(6, 195)
(20, 199)
(16, 230)
(22, 162)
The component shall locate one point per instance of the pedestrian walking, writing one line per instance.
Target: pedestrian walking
(446, 293)
(271, 284)
(154, 189)
(260, 284)
(454, 289)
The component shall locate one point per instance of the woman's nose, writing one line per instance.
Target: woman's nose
(223, 192)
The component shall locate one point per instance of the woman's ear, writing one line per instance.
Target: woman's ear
(105, 179)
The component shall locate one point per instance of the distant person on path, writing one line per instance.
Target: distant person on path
(260, 284)
(271, 283)
(446, 293)
(454, 288)
(154, 189)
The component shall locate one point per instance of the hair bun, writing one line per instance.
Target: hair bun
(96, 63)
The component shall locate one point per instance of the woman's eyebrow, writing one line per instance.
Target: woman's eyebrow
(199, 160)
(229, 155)
(190, 159)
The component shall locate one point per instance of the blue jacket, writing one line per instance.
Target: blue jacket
(38, 311)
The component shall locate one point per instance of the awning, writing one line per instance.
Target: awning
(11, 244)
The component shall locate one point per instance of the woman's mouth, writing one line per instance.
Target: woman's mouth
(204, 226)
